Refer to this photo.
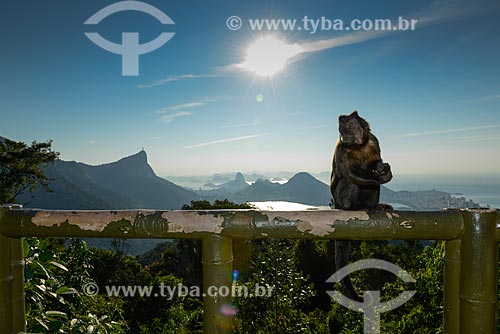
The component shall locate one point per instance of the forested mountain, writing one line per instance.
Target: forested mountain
(124, 184)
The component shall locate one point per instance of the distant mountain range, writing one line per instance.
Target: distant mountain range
(301, 188)
(131, 183)
(127, 183)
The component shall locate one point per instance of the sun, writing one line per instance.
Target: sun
(269, 55)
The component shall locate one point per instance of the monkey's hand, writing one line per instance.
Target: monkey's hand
(383, 172)
(381, 168)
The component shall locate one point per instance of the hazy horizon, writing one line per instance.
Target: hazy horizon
(282, 171)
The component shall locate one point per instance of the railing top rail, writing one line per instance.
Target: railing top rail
(245, 224)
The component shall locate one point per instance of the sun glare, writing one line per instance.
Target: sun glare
(269, 55)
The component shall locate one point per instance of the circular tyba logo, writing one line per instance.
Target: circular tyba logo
(371, 305)
(130, 49)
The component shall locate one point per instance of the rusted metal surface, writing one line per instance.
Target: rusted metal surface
(189, 222)
(96, 221)
(248, 224)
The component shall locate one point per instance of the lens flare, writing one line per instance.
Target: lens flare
(269, 55)
(228, 310)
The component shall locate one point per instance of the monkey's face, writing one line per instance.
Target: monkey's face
(351, 130)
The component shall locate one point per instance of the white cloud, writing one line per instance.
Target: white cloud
(177, 78)
(446, 131)
(193, 104)
(170, 118)
(181, 106)
(227, 140)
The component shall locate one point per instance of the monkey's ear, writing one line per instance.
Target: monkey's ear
(354, 113)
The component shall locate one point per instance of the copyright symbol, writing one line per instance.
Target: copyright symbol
(90, 289)
(234, 22)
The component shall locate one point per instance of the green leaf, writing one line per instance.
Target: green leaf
(58, 265)
(42, 288)
(56, 314)
(115, 325)
(64, 290)
(46, 256)
(39, 265)
(43, 244)
(26, 247)
(61, 299)
(42, 323)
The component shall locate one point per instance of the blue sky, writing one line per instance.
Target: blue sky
(432, 95)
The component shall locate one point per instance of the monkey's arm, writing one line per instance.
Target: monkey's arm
(354, 176)
(333, 177)
(333, 180)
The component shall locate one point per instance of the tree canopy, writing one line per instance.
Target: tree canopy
(22, 167)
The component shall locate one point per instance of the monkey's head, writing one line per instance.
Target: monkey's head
(353, 129)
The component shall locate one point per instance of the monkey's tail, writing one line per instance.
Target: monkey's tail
(342, 259)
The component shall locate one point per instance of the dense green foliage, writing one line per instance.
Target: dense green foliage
(56, 272)
(21, 167)
(275, 267)
(54, 275)
(422, 313)
(146, 314)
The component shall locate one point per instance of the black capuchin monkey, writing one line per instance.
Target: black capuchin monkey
(357, 173)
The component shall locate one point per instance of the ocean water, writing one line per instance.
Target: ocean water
(483, 189)
(282, 206)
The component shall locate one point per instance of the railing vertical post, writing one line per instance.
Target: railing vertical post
(478, 273)
(5, 282)
(18, 294)
(217, 273)
(451, 317)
